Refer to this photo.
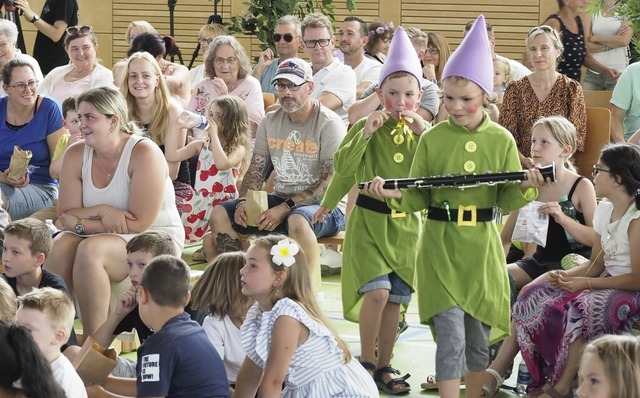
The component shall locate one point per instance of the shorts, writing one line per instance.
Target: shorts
(399, 290)
(125, 367)
(333, 223)
(535, 268)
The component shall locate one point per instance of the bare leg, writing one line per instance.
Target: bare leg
(100, 260)
(506, 355)
(521, 277)
(563, 386)
(371, 313)
(449, 388)
(300, 230)
(62, 257)
(223, 237)
(387, 336)
(474, 382)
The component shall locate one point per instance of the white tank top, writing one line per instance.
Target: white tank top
(615, 58)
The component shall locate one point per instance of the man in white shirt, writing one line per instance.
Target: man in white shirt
(518, 71)
(288, 40)
(335, 83)
(353, 38)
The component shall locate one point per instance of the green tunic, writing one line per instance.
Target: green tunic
(375, 244)
(464, 265)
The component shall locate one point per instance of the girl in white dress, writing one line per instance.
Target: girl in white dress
(285, 335)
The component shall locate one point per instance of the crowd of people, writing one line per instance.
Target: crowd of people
(131, 163)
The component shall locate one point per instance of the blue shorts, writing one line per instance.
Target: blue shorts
(333, 223)
(399, 290)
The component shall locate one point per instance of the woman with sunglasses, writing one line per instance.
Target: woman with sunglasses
(568, 22)
(544, 92)
(82, 73)
(205, 37)
(175, 75)
(228, 71)
(563, 310)
(33, 123)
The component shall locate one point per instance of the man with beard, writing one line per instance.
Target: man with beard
(353, 38)
(297, 141)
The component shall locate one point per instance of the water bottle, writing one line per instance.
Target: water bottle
(50, 226)
(569, 209)
(193, 120)
(524, 378)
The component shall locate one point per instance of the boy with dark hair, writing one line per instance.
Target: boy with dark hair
(177, 360)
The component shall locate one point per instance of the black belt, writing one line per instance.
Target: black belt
(464, 216)
(369, 203)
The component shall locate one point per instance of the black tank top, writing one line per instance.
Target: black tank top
(557, 245)
(575, 49)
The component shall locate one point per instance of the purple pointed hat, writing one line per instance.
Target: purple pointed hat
(473, 59)
(401, 57)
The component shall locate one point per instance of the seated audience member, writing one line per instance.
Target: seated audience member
(135, 29)
(48, 314)
(559, 313)
(83, 72)
(288, 41)
(544, 92)
(228, 71)
(205, 37)
(218, 293)
(435, 55)
(72, 123)
(176, 75)
(334, 82)
(286, 311)
(302, 165)
(625, 105)
(23, 363)
(353, 38)
(8, 302)
(33, 123)
(429, 101)
(177, 359)
(610, 367)
(380, 34)
(8, 46)
(115, 184)
(501, 78)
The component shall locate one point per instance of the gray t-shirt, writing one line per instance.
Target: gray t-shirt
(430, 100)
(296, 149)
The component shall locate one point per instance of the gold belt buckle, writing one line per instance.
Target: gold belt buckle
(461, 212)
(397, 214)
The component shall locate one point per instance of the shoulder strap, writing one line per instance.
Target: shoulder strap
(555, 16)
(574, 186)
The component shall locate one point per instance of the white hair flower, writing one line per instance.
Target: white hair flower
(283, 252)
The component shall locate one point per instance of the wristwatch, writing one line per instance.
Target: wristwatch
(35, 18)
(79, 227)
(290, 203)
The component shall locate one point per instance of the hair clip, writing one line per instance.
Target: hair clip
(381, 29)
(283, 253)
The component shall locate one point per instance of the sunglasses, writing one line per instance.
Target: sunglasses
(74, 30)
(544, 28)
(288, 37)
(596, 170)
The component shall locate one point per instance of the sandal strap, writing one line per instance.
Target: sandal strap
(368, 366)
(388, 369)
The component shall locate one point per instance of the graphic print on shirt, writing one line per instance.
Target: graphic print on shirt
(150, 368)
(291, 167)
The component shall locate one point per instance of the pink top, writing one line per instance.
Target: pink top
(64, 89)
(249, 90)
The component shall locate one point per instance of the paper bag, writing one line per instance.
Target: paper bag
(19, 163)
(256, 204)
(94, 362)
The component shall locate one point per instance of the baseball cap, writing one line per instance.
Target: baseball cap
(296, 70)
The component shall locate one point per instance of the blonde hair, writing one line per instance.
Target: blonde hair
(620, 355)
(562, 131)
(8, 302)
(218, 290)
(33, 231)
(160, 113)
(234, 129)
(109, 102)
(507, 68)
(551, 33)
(418, 38)
(297, 286)
(214, 29)
(143, 26)
(54, 303)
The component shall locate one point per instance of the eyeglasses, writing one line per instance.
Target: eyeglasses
(597, 169)
(288, 37)
(313, 43)
(228, 61)
(432, 50)
(289, 86)
(31, 84)
(83, 30)
(202, 40)
(544, 28)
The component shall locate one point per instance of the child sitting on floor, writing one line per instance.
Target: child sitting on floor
(286, 337)
(219, 294)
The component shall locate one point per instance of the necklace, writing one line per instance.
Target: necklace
(115, 163)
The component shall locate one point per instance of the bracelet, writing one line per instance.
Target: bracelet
(589, 283)
(240, 202)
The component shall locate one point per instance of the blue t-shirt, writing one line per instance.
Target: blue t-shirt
(33, 137)
(179, 361)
